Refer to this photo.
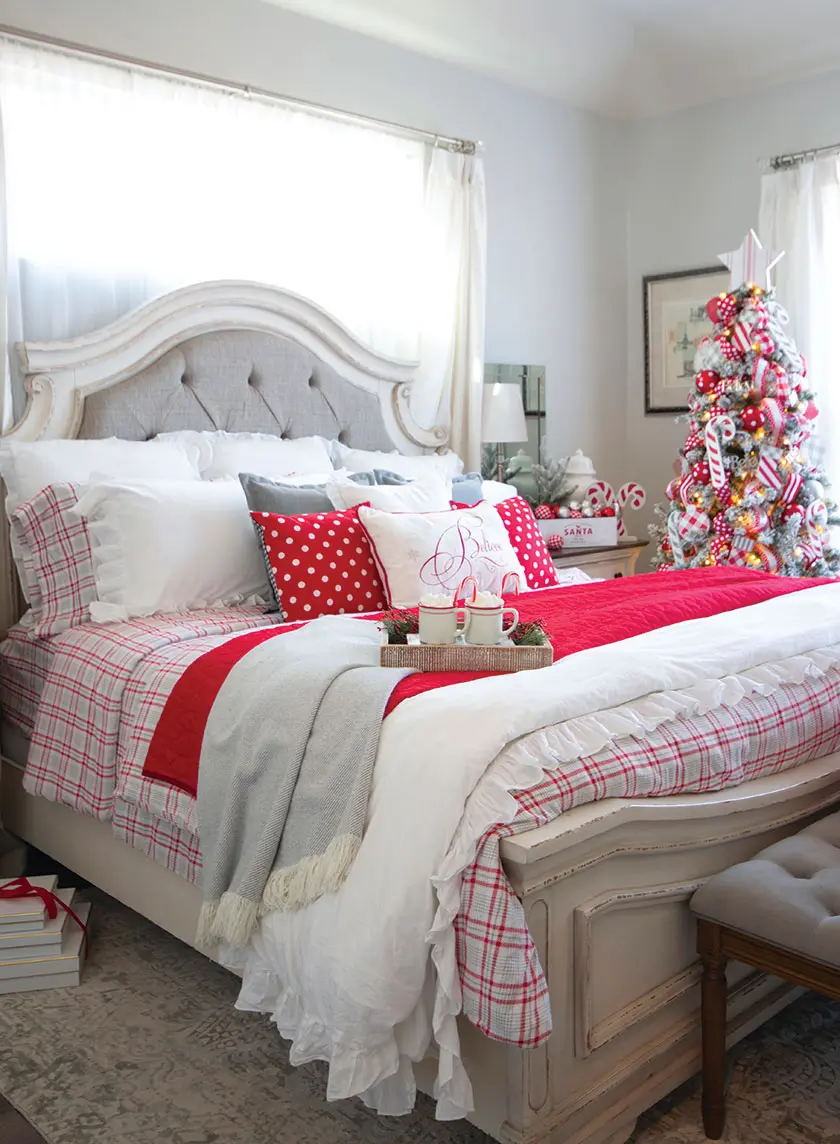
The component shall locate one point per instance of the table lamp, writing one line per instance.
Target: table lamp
(502, 420)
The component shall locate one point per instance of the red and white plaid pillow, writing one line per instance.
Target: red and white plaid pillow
(59, 559)
(528, 542)
(319, 564)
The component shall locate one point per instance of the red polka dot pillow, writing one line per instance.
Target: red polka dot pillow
(528, 542)
(319, 564)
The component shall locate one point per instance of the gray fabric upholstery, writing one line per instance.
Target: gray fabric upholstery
(789, 894)
(241, 381)
(264, 495)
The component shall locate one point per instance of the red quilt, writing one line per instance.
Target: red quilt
(576, 618)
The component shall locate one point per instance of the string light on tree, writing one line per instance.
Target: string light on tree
(747, 495)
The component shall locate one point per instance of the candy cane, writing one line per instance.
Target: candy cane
(717, 433)
(676, 540)
(598, 491)
(515, 579)
(816, 516)
(633, 495)
(459, 594)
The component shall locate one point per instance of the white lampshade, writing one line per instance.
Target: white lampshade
(503, 416)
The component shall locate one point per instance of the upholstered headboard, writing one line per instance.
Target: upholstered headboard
(237, 356)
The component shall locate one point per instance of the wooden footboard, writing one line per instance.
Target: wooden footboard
(605, 890)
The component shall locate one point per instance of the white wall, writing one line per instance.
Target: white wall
(693, 191)
(551, 172)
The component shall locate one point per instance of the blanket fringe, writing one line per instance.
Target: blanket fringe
(294, 887)
(230, 919)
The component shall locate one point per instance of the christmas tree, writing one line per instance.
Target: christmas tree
(747, 493)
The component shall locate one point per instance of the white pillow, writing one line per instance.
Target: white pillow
(421, 553)
(432, 494)
(229, 454)
(28, 467)
(446, 465)
(497, 491)
(169, 546)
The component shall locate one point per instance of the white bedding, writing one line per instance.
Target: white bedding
(358, 990)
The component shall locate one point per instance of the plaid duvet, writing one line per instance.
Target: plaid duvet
(105, 686)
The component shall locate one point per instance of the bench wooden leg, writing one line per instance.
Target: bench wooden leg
(713, 1014)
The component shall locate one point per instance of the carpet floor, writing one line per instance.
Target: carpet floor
(149, 1048)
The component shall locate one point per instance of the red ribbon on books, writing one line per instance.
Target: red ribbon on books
(23, 888)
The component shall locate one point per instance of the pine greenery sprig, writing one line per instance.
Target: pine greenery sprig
(400, 625)
(530, 633)
(551, 482)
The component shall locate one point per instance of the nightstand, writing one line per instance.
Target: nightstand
(603, 563)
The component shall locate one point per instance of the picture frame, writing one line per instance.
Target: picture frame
(675, 321)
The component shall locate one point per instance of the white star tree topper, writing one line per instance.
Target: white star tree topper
(751, 263)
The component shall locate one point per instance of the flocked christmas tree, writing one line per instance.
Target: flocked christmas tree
(747, 493)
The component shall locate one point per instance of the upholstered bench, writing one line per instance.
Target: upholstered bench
(779, 912)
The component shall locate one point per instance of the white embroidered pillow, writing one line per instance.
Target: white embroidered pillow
(419, 553)
(431, 494)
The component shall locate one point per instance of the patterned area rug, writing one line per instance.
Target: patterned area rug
(150, 1049)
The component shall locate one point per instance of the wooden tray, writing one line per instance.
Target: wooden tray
(462, 656)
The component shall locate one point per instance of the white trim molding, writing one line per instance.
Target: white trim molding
(59, 375)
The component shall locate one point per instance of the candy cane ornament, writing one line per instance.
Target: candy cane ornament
(717, 434)
(630, 494)
(676, 539)
(600, 493)
(816, 517)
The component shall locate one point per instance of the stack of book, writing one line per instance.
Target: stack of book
(36, 951)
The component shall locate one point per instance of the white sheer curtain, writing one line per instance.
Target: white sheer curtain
(120, 185)
(800, 214)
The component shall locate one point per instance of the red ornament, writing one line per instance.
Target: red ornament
(722, 308)
(608, 511)
(719, 548)
(575, 513)
(544, 512)
(729, 351)
(752, 418)
(693, 441)
(706, 381)
(702, 473)
(793, 510)
(554, 543)
(722, 528)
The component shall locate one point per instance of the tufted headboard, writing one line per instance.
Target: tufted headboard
(238, 356)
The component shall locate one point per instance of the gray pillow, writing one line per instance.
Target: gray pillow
(265, 495)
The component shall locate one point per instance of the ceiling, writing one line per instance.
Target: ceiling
(625, 58)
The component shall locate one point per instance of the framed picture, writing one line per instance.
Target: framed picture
(675, 322)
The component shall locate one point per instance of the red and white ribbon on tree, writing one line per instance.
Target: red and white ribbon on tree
(810, 553)
(740, 548)
(768, 471)
(770, 561)
(718, 432)
(792, 488)
(774, 419)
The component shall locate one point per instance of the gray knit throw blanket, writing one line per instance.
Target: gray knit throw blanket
(285, 773)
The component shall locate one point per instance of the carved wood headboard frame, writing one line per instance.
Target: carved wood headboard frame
(60, 375)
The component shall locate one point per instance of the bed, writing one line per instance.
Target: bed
(603, 887)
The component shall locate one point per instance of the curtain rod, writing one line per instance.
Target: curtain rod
(67, 47)
(796, 158)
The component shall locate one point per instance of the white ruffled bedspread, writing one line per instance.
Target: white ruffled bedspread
(367, 979)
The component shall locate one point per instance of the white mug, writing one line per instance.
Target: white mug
(486, 624)
(441, 625)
